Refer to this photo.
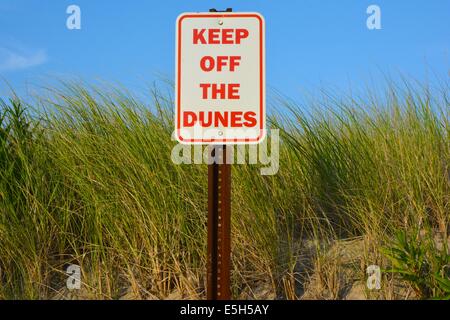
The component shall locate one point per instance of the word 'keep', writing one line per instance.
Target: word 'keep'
(219, 36)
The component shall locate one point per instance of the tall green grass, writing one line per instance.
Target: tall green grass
(87, 178)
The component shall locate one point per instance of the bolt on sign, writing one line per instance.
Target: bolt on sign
(220, 78)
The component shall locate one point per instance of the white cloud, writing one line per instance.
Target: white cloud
(11, 60)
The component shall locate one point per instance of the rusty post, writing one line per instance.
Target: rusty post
(219, 225)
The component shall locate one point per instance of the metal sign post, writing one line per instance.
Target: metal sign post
(219, 225)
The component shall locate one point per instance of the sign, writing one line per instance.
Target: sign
(220, 78)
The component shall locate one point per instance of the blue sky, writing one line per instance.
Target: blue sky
(310, 43)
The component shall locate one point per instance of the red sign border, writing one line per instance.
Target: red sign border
(261, 76)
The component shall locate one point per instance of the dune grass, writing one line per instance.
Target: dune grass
(86, 177)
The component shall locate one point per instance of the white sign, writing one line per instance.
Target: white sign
(220, 78)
